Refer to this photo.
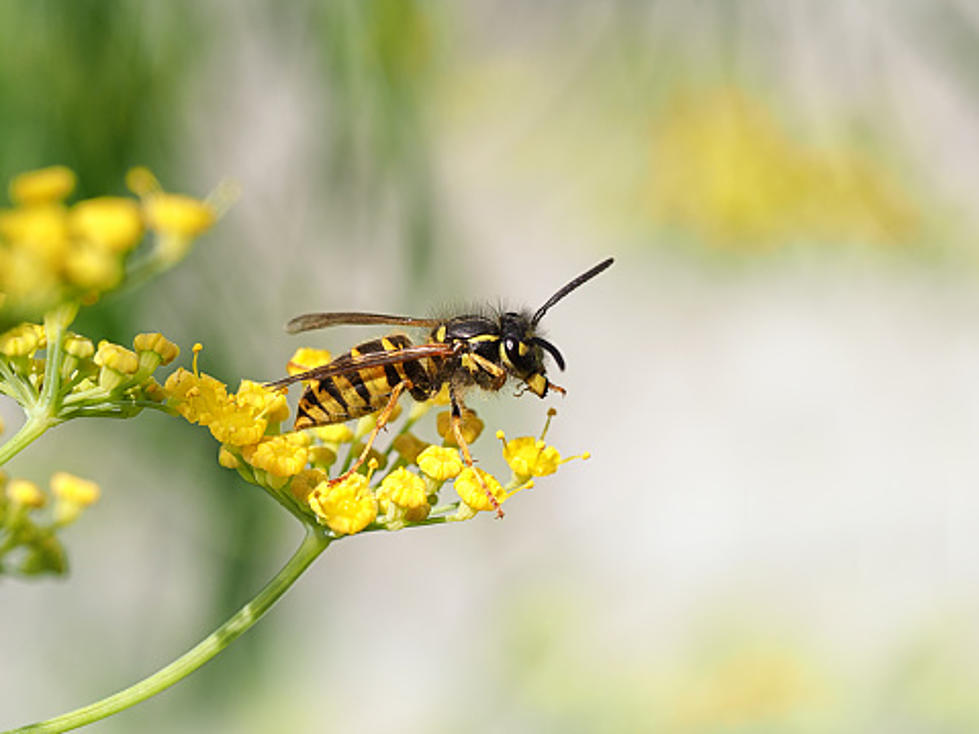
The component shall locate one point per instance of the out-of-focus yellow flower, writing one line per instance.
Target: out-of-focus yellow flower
(280, 456)
(90, 267)
(727, 169)
(112, 222)
(42, 186)
(409, 446)
(407, 491)
(346, 508)
(158, 344)
(25, 493)
(471, 492)
(322, 455)
(305, 482)
(470, 426)
(69, 488)
(22, 340)
(177, 214)
(38, 231)
(440, 463)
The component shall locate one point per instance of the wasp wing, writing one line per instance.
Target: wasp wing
(347, 365)
(310, 321)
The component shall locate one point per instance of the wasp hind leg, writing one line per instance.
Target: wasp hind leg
(382, 419)
(464, 446)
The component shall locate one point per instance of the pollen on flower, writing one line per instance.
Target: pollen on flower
(440, 463)
(471, 492)
(280, 456)
(25, 493)
(112, 222)
(157, 343)
(346, 508)
(42, 186)
(406, 490)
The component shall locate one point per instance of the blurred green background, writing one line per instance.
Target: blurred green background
(777, 380)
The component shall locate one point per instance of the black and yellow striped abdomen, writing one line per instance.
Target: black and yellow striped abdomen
(363, 391)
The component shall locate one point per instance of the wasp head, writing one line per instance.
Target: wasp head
(522, 351)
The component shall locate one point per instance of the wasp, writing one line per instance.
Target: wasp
(461, 352)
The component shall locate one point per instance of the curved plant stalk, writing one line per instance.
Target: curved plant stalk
(315, 542)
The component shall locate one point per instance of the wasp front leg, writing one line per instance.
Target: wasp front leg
(456, 421)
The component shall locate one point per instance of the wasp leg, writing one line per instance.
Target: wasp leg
(498, 373)
(556, 388)
(382, 420)
(466, 456)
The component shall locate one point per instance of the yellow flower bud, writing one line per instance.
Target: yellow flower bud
(409, 446)
(22, 340)
(42, 186)
(440, 463)
(305, 482)
(156, 342)
(227, 459)
(116, 357)
(334, 434)
(88, 266)
(78, 346)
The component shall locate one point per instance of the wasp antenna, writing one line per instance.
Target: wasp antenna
(580, 280)
(551, 349)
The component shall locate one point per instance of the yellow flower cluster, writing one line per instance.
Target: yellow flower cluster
(52, 251)
(294, 466)
(726, 168)
(28, 535)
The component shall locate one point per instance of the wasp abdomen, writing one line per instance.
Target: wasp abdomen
(363, 391)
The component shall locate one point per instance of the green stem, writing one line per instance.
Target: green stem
(313, 544)
(30, 431)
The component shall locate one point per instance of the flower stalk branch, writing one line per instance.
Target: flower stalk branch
(314, 543)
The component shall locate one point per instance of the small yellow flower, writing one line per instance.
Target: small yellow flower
(305, 359)
(159, 344)
(198, 398)
(471, 492)
(227, 459)
(22, 340)
(280, 456)
(271, 404)
(346, 508)
(75, 490)
(42, 186)
(470, 426)
(406, 490)
(322, 455)
(440, 463)
(305, 482)
(78, 346)
(154, 390)
(112, 222)
(141, 181)
(25, 493)
(177, 214)
(532, 457)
